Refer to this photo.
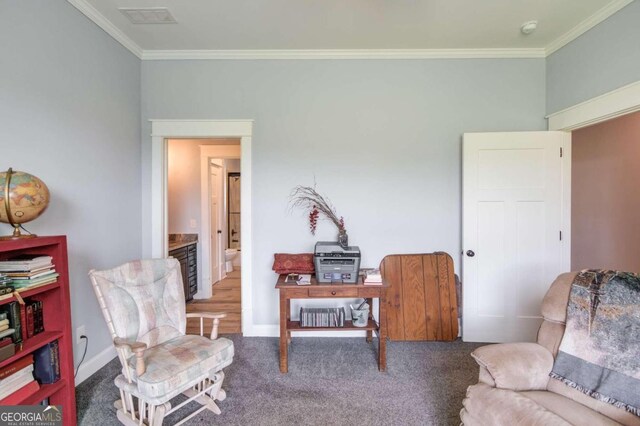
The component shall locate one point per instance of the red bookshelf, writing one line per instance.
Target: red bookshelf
(57, 321)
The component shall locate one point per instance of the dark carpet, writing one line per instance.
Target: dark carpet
(331, 381)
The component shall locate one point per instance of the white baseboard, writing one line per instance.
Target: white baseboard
(94, 364)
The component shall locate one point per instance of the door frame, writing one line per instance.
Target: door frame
(208, 153)
(615, 103)
(157, 226)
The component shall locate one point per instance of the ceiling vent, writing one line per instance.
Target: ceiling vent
(148, 15)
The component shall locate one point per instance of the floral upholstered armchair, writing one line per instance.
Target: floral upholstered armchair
(144, 306)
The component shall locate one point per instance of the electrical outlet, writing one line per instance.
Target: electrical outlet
(80, 331)
(193, 224)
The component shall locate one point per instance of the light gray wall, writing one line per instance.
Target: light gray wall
(70, 114)
(183, 186)
(603, 59)
(382, 139)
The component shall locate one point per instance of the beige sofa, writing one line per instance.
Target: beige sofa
(514, 385)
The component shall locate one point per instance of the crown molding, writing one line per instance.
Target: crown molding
(93, 14)
(154, 55)
(586, 25)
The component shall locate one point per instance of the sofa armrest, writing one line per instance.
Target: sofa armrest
(516, 366)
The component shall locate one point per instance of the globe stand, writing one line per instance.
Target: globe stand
(17, 235)
(27, 195)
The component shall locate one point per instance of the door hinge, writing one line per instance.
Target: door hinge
(560, 152)
(560, 235)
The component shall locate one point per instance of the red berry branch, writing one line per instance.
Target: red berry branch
(307, 197)
(313, 220)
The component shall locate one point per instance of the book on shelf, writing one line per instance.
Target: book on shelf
(6, 290)
(47, 363)
(25, 263)
(32, 273)
(27, 283)
(19, 395)
(4, 279)
(7, 332)
(16, 376)
(15, 366)
(7, 350)
(33, 317)
(15, 381)
(13, 312)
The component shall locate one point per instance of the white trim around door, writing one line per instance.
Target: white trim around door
(616, 103)
(161, 130)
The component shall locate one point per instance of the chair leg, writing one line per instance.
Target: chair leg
(208, 399)
(159, 413)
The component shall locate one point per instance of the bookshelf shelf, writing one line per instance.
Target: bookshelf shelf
(56, 315)
(45, 391)
(28, 292)
(31, 344)
(348, 325)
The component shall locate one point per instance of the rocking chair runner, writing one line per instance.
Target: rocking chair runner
(144, 306)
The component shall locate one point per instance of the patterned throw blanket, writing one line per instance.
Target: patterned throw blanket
(600, 351)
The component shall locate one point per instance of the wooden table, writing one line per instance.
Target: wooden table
(316, 290)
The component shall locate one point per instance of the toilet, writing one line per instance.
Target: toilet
(229, 255)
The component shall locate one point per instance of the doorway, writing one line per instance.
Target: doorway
(156, 231)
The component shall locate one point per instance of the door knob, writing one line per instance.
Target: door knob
(219, 231)
(470, 253)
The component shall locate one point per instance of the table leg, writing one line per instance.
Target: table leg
(370, 332)
(382, 334)
(284, 361)
(288, 319)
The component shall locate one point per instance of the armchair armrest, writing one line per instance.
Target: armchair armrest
(215, 316)
(515, 366)
(137, 348)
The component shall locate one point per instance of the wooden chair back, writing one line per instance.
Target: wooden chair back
(421, 299)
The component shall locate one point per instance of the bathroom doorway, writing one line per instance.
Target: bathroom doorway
(198, 208)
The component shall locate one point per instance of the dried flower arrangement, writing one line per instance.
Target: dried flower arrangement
(307, 197)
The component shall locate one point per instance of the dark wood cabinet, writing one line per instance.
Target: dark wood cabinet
(188, 258)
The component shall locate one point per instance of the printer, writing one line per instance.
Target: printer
(335, 263)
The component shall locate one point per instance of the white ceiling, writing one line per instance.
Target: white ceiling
(254, 25)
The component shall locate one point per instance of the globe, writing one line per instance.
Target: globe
(23, 197)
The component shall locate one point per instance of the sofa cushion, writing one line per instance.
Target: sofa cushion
(174, 364)
(485, 405)
(516, 366)
(571, 411)
(620, 415)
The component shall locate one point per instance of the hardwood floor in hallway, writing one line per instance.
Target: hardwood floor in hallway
(226, 298)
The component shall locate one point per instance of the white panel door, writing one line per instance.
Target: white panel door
(515, 239)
